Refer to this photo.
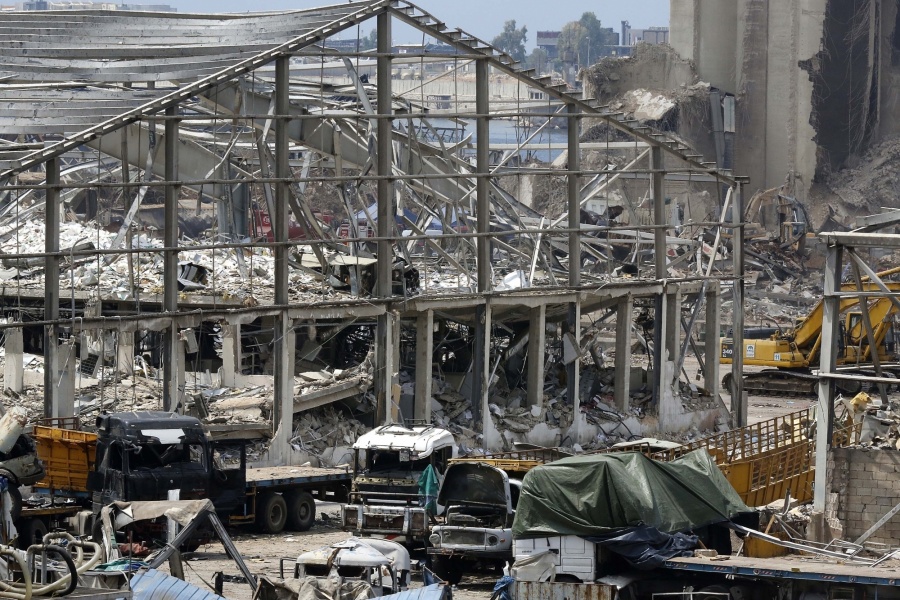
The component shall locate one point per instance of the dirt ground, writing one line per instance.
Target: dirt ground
(262, 553)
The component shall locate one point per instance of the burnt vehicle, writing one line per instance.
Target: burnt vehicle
(143, 455)
(480, 503)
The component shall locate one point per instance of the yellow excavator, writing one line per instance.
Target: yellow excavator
(791, 354)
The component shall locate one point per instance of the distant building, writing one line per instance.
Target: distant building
(72, 5)
(548, 41)
(651, 35)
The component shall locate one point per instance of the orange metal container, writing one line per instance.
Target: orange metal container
(68, 457)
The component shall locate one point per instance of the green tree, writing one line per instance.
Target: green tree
(512, 40)
(581, 42)
(570, 38)
(369, 42)
(537, 60)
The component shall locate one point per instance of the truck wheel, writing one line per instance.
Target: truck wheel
(447, 569)
(32, 532)
(271, 513)
(301, 510)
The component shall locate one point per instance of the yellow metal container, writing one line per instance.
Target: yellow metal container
(68, 457)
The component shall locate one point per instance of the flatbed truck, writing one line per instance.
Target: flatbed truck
(141, 456)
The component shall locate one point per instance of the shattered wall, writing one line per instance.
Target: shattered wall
(864, 487)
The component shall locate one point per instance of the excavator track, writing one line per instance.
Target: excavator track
(781, 383)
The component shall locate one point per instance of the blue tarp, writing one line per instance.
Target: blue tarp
(434, 591)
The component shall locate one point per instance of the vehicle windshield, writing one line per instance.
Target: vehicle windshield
(393, 461)
(155, 456)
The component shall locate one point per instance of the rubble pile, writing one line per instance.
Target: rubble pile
(326, 436)
(215, 272)
(868, 183)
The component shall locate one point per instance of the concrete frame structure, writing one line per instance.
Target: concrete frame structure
(843, 248)
(563, 301)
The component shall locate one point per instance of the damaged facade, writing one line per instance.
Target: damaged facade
(228, 235)
(815, 83)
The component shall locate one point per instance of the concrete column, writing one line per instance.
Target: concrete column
(424, 359)
(622, 379)
(660, 217)
(673, 332)
(64, 381)
(711, 347)
(481, 352)
(831, 313)
(172, 364)
(491, 435)
(537, 346)
(738, 401)
(51, 287)
(231, 353)
(385, 325)
(393, 368)
(125, 351)
(574, 209)
(574, 368)
(284, 338)
(14, 365)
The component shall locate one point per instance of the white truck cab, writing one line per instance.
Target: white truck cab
(387, 464)
(382, 564)
(573, 558)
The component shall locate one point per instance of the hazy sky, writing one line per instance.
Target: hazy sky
(483, 18)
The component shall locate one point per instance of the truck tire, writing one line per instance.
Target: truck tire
(301, 510)
(32, 532)
(271, 513)
(447, 569)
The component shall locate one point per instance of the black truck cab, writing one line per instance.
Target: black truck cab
(142, 455)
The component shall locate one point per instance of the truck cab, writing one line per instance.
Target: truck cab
(479, 503)
(387, 464)
(382, 564)
(143, 455)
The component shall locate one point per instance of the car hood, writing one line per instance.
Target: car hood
(475, 483)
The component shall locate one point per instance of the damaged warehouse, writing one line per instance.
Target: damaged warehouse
(287, 317)
(188, 255)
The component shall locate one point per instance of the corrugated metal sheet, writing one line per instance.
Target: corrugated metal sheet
(533, 590)
(156, 585)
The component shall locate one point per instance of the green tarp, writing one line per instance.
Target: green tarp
(600, 494)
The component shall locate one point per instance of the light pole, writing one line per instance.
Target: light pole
(588, 38)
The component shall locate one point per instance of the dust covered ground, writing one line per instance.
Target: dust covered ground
(262, 553)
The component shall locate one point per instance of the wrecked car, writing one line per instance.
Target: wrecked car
(479, 503)
(382, 564)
